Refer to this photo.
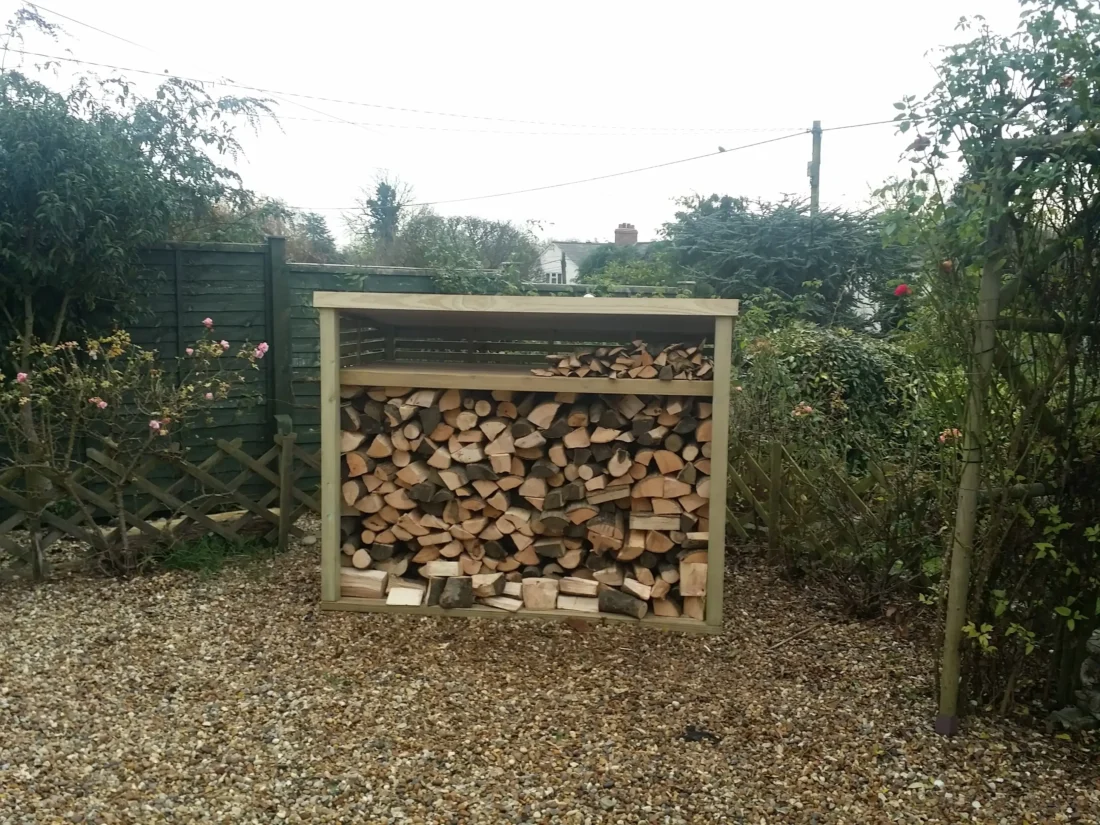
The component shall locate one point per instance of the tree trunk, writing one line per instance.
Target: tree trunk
(966, 513)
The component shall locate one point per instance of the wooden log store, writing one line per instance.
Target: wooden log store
(525, 456)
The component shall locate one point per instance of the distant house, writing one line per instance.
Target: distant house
(561, 261)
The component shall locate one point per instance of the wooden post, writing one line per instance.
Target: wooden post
(716, 545)
(775, 491)
(815, 169)
(286, 437)
(278, 295)
(330, 454)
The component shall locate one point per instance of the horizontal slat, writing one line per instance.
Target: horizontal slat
(479, 612)
(501, 377)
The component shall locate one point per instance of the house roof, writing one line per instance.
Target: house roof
(577, 251)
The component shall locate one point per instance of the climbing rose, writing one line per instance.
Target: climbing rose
(101, 404)
(258, 353)
(154, 425)
(223, 344)
(903, 290)
(189, 351)
(209, 396)
(262, 347)
(21, 378)
(208, 323)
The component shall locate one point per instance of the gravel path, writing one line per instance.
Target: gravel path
(231, 699)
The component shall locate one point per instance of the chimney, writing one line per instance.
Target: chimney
(626, 235)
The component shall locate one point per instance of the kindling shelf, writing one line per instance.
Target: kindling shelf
(507, 377)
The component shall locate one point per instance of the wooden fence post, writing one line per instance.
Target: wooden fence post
(285, 438)
(775, 488)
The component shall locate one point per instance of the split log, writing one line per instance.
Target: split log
(457, 592)
(616, 601)
(580, 604)
(363, 584)
(403, 592)
(442, 569)
(503, 602)
(573, 586)
(695, 608)
(540, 593)
(637, 589)
(666, 608)
(487, 585)
(693, 578)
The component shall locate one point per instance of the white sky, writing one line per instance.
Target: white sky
(661, 66)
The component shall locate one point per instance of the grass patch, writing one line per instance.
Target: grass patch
(211, 553)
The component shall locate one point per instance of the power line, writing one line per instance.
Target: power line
(86, 25)
(582, 180)
(615, 174)
(276, 92)
(489, 131)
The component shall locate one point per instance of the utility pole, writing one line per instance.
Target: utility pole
(813, 169)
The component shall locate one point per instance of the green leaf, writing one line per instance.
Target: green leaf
(1062, 610)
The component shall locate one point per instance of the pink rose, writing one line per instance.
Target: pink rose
(21, 378)
(101, 404)
(208, 323)
(209, 396)
(154, 425)
(189, 351)
(258, 353)
(262, 347)
(223, 344)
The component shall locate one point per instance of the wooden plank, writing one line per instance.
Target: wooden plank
(684, 625)
(330, 455)
(716, 550)
(512, 305)
(504, 377)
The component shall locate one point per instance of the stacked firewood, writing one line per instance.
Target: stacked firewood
(526, 500)
(639, 360)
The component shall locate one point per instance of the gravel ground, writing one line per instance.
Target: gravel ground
(231, 699)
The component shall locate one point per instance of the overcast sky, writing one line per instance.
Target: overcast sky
(637, 83)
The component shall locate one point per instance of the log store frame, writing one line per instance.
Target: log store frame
(479, 318)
